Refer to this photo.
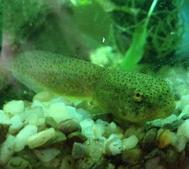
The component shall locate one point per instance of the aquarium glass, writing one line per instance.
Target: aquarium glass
(94, 84)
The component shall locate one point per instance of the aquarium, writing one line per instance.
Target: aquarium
(94, 84)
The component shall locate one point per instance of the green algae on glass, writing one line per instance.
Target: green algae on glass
(130, 96)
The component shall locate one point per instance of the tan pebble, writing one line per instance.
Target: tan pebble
(166, 137)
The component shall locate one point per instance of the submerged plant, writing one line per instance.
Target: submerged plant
(136, 50)
(80, 2)
(147, 31)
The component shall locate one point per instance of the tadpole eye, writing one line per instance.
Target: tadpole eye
(138, 96)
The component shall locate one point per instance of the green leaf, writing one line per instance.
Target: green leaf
(136, 50)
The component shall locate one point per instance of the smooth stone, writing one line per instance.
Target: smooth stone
(149, 140)
(69, 126)
(79, 151)
(132, 156)
(18, 163)
(76, 137)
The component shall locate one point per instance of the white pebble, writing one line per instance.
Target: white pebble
(75, 114)
(99, 128)
(15, 124)
(185, 111)
(183, 129)
(33, 115)
(113, 145)
(130, 142)
(41, 138)
(47, 155)
(37, 103)
(23, 135)
(7, 149)
(14, 107)
(4, 119)
(59, 112)
(184, 100)
(180, 143)
(87, 126)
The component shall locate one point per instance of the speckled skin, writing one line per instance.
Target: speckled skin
(128, 96)
(134, 97)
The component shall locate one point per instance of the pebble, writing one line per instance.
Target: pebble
(69, 126)
(95, 148)
(135, 130)
(185, 110)
(18, 163)
(76, 137)
(132, 156)
(166, 138)
(50, 122)
(172, 155)
(149, 140)
(59, 138)
(183, 129)
(112, 128)
(33, 116)
(180, 144)
(184, 100)
(87, 127)
(23, 135)
(79, 151)
(152, 163)
(4, 118)
(130, 142)
(47, 155)
(41, 138)
(113, 145)
(15, 124)
(67, 162)
(58, 111)
(7, 149)
(14, 107)
(86, 163)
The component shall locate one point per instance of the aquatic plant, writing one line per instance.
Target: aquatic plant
(136, 50)
(147, 31)
(80, 2)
